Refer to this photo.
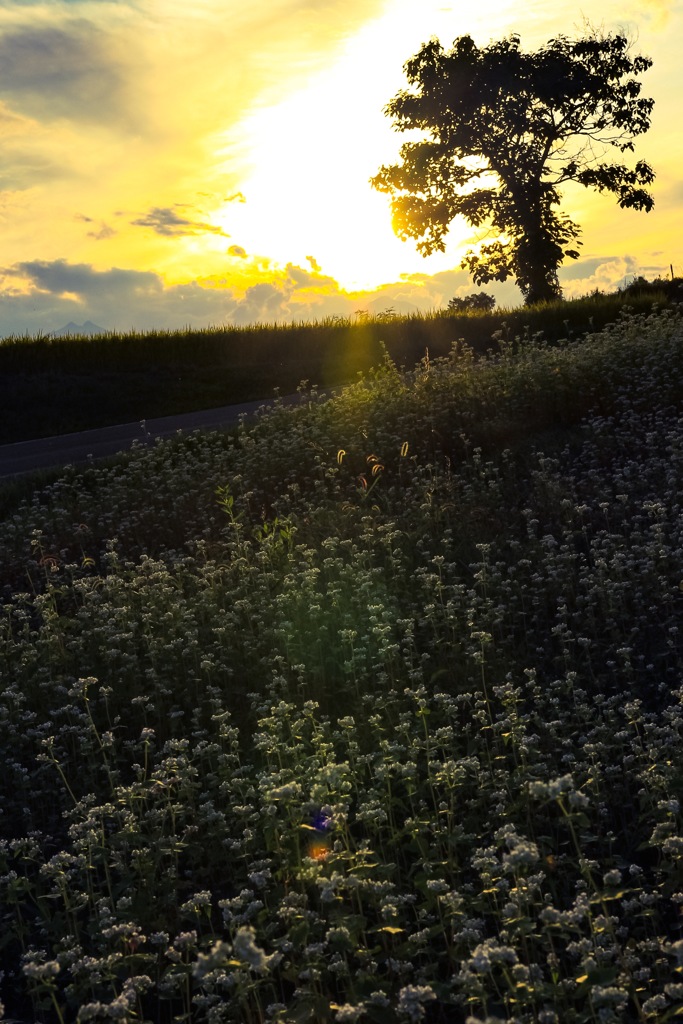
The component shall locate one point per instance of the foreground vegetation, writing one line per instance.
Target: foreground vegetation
(372, 712)
(56, 385)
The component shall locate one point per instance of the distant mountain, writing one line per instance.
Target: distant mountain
(71, 328)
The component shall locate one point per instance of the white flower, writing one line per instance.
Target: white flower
(207, 962)
(410, 1000)
(245, 949)
(347, 1013)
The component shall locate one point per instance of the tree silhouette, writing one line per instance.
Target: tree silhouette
(477, 302)
(503, 131)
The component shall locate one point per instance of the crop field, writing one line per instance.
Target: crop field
(371, 711)
(57, 385)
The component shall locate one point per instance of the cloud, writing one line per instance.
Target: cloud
(262, 302)
(420, 293)
(166, 221)
(125, 104)
(132, 104)
(659, 12)
(104, 230)
(24, 170)
(52, 71)
(59, 278)
(302, 278)
(12, 123)
(26, 160)
(582, 270)
(291, 294)
(39, 296)
(295, 293)
(603, 273)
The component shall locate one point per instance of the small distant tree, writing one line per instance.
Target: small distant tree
(477, 302)
(503, 131)
(671, 288)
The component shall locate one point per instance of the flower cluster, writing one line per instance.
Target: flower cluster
(290, 737)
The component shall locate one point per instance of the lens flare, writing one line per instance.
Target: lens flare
(318, 850)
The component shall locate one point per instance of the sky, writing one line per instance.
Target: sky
(168, 164)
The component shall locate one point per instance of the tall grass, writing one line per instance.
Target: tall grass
(54, 385)
(370, 712)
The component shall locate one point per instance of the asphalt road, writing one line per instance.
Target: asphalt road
(27, 456)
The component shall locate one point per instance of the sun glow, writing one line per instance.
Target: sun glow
(308, 192)
(287, 186)
(165, 165)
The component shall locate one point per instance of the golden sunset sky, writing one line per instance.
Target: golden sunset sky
(167, 163)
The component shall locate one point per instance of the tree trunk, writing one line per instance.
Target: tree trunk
(539, 257)
(541, 290)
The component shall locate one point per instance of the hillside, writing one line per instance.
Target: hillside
(372, 711)
(55, 385)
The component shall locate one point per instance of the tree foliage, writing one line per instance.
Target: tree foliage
(476, 302)
(502, 132)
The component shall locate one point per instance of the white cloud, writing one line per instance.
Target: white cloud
(603, 273)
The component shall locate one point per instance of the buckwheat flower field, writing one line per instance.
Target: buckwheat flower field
(370, 712)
